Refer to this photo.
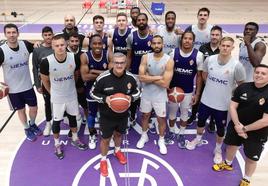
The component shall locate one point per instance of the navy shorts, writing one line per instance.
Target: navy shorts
(19, 100)
(205, 111)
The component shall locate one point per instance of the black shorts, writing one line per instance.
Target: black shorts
(253, 146)
(108, 125)
(82, 99)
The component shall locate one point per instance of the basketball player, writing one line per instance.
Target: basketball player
(138, 44)
(208, 49)
(168, 32)
(98, 24)
(188, 63)
(69, 23)
(155, 72)
(93, 63)
(73, 44)
(14, 59)
(118, 36)
(58, 76)
(39, 53)
(249, 124)
(116, 80)
(221, 73)
(134, 12)
(251, 50)
(202, 28)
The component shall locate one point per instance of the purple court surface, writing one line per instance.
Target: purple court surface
(36, 28)
(35, 164)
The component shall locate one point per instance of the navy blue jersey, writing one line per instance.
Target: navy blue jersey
(104, 42)
(185, 69)
(140, 46)
(101, 64)
(119, 41)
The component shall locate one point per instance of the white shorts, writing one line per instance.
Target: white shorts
(185, 105)
(147, 106)
(59, 109)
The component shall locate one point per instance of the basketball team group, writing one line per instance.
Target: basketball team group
(164, 70)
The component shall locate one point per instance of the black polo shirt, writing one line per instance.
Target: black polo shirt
(207, 50)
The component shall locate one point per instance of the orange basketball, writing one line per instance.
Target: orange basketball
(175, 95)
(119, 103)
(4, 89)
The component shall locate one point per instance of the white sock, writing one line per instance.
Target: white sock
(26, 125)
(161, 138)
(57, 141)
(116, 149)
(74, 136)
(103, 158)
(247, 177)
(144, 133)
(182, 130)
(218, 147)
(171, 128)
(228, 162)
(48, 123)
(32, 121)
(198, 137)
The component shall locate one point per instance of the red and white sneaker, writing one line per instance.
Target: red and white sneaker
(121, 157)
(104, 168)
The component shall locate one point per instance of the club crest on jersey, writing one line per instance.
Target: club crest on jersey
(103, 46)
(129, 86)
(149, 43)
(227, 72)
(261, 101)
(104, 65)
(191, 62)
(70, 66)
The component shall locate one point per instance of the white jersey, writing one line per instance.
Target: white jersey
(244, 59)
(152, 91)
(62, 80)
(201, 36)
(221, 81)
(16, 68)
(171, 40)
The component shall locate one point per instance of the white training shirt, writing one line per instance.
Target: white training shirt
(221, 81)
(201, 36)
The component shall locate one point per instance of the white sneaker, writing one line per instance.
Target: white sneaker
(144, 139)
(217, 157)
(47, 129)
(174, 130)
(162, 146)
(92, 142)
(191, 145)
(111, 143)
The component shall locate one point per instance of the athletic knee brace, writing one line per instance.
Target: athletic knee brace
(220, 131)
(72, 121)
(56, 127)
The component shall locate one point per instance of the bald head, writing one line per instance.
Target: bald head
(69, 22)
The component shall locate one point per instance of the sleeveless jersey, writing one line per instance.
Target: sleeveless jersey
(244, 59)
(119, 41)
(201, 36)
(185, 69)
(104, 42)
(140, 46)
(152, 91)
(62, 80)
(16, 68)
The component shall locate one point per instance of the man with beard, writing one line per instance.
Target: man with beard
(251, 50)
(188, 63)
(208, 49)
(221, 73)
(134, 12)
(39, 53)
(69, 23)
(168, 32)
(155, 72)
(201, 29)
(118, 36)
(138, 44)
(93, 63)
(73, 47)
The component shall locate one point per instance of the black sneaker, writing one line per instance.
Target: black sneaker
(211, 127)
(191, 120)
(58, 152)
(78, 144)
(36, 130)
